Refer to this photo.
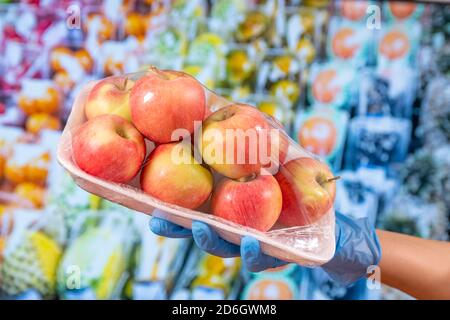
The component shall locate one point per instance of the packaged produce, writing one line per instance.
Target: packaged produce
(305, 51)
(332, 84)
(287, 91)
(225, 16)
(40, 121)
(240, 66)
(273, 107)
(255, 25)
(158, 263)
(94, 264)
(188, 14)
(266, 288)
(397, 48)
(207, 50)
(301, 23)
(280, 283)
(8, 136)
(403, 11)
(286, 225)
(350, 42)
(435, 113)
(99, 27)
(356, 197)
(353, 10)
(377, 141)
(322, 132)
(118, 57)
(425, 174)
(412, 215)
(32, 193)
(68, 60)
(27, 163)
(379, 182)
(39, 96)
(166, 48)
(30, 261)
(208, 277)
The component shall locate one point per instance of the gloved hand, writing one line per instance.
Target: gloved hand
(357, 247)
(208, 240)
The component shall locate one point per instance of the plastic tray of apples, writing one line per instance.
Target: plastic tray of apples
(160, 140)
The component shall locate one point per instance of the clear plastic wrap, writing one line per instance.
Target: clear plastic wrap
(310, 242)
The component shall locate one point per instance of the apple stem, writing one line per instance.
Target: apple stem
(159, 73)
(333, 179)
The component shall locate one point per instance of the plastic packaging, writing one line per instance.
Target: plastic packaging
(311, 242)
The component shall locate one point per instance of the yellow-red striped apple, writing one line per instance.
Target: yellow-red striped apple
(173, 175)
(110, 96)
(237, 141)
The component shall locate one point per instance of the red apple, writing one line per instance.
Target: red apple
(164, 101)
(174, 176)
(109, 147)
(110, 96)
(237, 141)
(253, 202)
(308, 189)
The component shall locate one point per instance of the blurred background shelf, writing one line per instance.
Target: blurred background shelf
(370, 97)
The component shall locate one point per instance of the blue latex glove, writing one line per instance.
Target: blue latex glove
(208, 240)
(357, 247)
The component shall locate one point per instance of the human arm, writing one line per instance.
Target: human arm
(416, 266)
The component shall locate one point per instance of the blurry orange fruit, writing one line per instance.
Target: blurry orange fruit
(14, 172)
(82, 56)
(63, 80)
(85, 59)
(105, 27)
(318, 135)
(354, 10)
(37, 169)
(38, 121)
(324, 87)
(136, 25)
(49, 103)
(56, 55)
(31, 192)
(344, 45)
(113, 67)
(2, 166)
(402, 9)
(270, 289)
(394, 45)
